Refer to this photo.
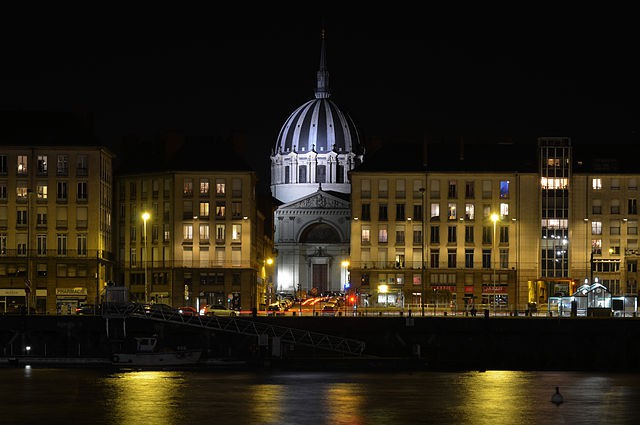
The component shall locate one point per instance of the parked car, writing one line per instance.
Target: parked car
(330, 309)
(86, 309)
(159, 308)
(277, 307)
(217, 310)
(188, 311)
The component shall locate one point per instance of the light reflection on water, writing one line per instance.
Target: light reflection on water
(203, 397)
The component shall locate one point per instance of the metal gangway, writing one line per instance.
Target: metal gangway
(236, 325)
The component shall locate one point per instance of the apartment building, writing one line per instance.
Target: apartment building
(190, 232)
(55, 226)
(495, 226)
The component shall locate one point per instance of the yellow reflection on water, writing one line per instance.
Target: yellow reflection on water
(267, 402)
(145, 395)
(495, 396)
(346, 404)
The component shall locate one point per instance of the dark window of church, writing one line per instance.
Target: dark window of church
(340, 174)
(320, 233)
(286, 175)
(322, 174)
(302, 174)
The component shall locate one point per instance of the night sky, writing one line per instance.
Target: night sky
(402, 76)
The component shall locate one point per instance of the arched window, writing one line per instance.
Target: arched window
(320, 233)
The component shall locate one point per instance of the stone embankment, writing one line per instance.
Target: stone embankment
(438, 343)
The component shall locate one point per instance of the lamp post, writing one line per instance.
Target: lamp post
(587, 248)
(623, 256)
(269, 281)
(517, 288)
(424, 244)
(145, 217)
(346, 285)
(494, 218)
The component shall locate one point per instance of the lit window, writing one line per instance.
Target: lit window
(366, 235)
(187, 232)
(22, 164)
(42, 164)
(220, 232)
(435, 211)
(204, 187)
(220, 187)
(452, 211)
(236, 232)
(469, 212)
(204, 209)
(504, 189)
(204, 232)
(41, 191)
(596, 184)
(21, 190)
(187, 188)
(383, 235)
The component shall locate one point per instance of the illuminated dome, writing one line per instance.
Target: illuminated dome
(318, 126)
(317, 146)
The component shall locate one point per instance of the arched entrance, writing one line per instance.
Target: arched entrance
(319, 235)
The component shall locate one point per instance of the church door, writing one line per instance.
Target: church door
(320, 276)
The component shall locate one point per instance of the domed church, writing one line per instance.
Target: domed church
(316, 148)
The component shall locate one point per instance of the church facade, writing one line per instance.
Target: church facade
(316, 149)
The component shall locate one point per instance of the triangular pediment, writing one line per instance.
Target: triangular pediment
(317, 200)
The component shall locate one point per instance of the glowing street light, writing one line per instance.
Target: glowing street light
(494, 218)
(145, 217)
(266, 290)
(345, 264)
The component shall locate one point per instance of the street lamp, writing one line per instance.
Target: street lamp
(494, 218)
(424, 241)
(269, 281)
(517, 247)
(145, 217)
(623, 258)
(587, 248)
(345, 264)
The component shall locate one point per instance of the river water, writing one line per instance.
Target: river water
(90, 396)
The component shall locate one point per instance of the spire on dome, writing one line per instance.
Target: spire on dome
(322, 88)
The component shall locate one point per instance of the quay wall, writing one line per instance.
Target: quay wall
(443, 343)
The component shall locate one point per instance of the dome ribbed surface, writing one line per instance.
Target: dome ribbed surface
(320, 126)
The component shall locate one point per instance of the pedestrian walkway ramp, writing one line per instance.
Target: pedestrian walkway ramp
(241, 326)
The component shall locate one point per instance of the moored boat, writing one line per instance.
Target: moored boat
(147, 355)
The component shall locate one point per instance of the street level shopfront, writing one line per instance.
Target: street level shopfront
(15, 301)
(67, 299)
